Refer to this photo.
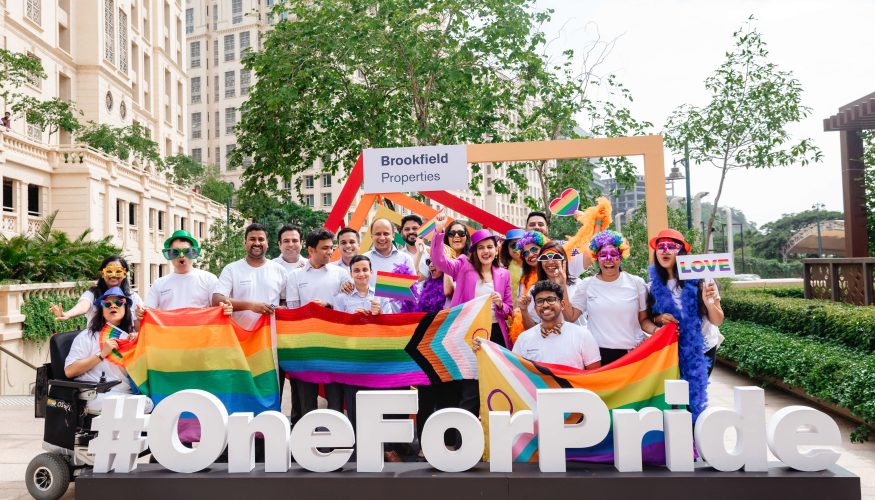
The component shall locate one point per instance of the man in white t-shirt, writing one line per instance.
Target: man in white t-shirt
(289, 239)
(251, 285)
(348, 243)
(554, 340)
(410, 225)
(186, 286)
(384, 256)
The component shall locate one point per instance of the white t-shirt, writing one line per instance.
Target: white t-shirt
(241, 281)
(574, 347)
(89, 297)
(710, 333)
(87, 344)
(290, 266)
(484, 288)
(176, 291)
(308, 284)
(612, 308)
(581, 320)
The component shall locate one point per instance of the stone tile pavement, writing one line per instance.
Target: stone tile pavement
(21, 435)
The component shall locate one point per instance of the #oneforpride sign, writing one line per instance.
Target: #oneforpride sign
(799, 436)
(427, 168)
(709, 265)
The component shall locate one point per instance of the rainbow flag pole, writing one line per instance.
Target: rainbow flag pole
(395, 286)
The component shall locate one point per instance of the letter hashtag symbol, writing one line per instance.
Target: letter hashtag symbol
(119, 440)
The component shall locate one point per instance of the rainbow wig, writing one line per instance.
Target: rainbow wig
(529, 238)
(608, 237)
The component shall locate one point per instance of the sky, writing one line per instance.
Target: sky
(665, 49)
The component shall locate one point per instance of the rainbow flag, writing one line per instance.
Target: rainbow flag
(635, 381)
(395, 286)
(125, 345)
(426, 231)
(320, 345)
(204, 349)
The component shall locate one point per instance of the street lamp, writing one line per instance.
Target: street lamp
(818, 207)
(675, 174)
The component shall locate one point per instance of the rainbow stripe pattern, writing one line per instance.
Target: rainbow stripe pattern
(567, 203)
(121, 337)
(635, 381)
(320, 345)
(426, 231)
(395, 286)
(204, 349)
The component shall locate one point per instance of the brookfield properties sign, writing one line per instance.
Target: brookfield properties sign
(123, 420)
(427, 168)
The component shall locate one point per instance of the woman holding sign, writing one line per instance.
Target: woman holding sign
(693, 304)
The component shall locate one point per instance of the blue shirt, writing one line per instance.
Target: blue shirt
(349, 302)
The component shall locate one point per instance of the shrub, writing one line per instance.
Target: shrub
(833, 373)
(40, 323)
(853, 326)
(782, 292)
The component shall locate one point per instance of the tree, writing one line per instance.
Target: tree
(776, 234)
(54, 114)
(345, 76)
(183, 169)
(224, 246)
(869, 182)
(122, 142)
(213, 187)
(744, 125)
(18, 69)
(273, 213)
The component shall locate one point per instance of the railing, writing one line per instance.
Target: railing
(9, 224)
(842, 280)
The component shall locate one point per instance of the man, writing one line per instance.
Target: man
(251, 285)
(554, 340)
(186, 286)
(348, 243)
(578, 261)
(537, 221)
(384, 256)
(289, 239)
(316, 282)
(410, 225)
(6, 121)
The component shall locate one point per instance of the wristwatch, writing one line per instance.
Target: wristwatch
(100, 357)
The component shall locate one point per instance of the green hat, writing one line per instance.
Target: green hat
(182, 234)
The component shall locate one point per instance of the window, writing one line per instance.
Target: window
(236, 11)
(245, 77)
(189, 21)
(229, 47)
(109, 31)
(229, 84)
(216, 88)
(182, 222)
(161, 221)
(217, 130)
(132, 214)
(34, 132)
(118, 210)
(287, 185)
(194, 51)
(122, 41)
(196, 90)
(308, 181)
(247, 160)
(195, 125)
(215, 17)
(215, 52)
(308, 200)
(33, 78)
(229, 148)
(244, 42)
(34, 11)
(218, 156)
(197, 154)
(230, 120)
(8, 190)
(326, 180)
(33, 204)
(326, 199)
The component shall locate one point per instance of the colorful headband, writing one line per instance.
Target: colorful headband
(531, 237)
(608, 237)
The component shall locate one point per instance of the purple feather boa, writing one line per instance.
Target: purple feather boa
(691, 352)
(404, 305)
(430, 298)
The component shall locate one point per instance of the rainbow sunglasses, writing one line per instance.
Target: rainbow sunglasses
(550, 254)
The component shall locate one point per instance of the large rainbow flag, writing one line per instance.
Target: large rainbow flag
(204, 349)
(635, 381)
(320, 345)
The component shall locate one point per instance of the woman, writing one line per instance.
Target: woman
(552, 266)
(457, 242)
(693, 304)
(113, 272)
(87, 358)
(510, 259)
(529, 247)
(614, 301)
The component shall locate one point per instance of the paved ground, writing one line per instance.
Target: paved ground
(21, 436)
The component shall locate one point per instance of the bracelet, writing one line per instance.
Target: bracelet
(100, 357)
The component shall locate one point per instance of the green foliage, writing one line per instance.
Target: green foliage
(17, 69)
(213, 187)
(635, 230)
(224, 246)
(51, 256)
(121, 142)
(771, 243)
(853, 326)
(40, 324)
(833, 373)
(273, 213)
(183, 169)
(869, 183)
(769, 268)
(794, 292)
(744, 125)
(52, 115)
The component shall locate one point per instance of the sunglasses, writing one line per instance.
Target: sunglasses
(106, 304)
(427, 262)
(668, 247)
(458, 233)
(546, 301)
(172, 253)
(550, 256)
(114, 272)
(609, 255)
(533, 250)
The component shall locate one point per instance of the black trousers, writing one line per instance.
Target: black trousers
(295, 414)
(308, 394)
(611, 355)
(711, 357)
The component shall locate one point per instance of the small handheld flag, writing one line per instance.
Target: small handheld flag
(395, 286)
(125, 345)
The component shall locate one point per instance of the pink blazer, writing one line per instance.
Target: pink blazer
(466, 277)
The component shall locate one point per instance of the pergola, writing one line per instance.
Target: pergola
(850, 121)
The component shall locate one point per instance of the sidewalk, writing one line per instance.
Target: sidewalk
(21, 436)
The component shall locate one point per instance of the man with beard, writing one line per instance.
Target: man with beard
(253, 284)
(410, 225)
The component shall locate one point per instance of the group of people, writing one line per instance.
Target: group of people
(541, 308)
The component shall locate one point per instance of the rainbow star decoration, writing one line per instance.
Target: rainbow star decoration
(566, 204)
(395, 286)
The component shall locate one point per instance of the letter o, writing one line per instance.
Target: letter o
(436, 452)
(163, 437)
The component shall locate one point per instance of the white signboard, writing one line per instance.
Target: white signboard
(709, 265)
(427, 168)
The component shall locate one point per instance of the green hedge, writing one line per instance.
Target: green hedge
(833, 373)
(853, 326)
(781, 292)
(40, 323)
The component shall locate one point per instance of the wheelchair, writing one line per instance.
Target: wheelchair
(62, 403)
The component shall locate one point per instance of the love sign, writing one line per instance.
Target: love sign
(566, 204)
(709, 265)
